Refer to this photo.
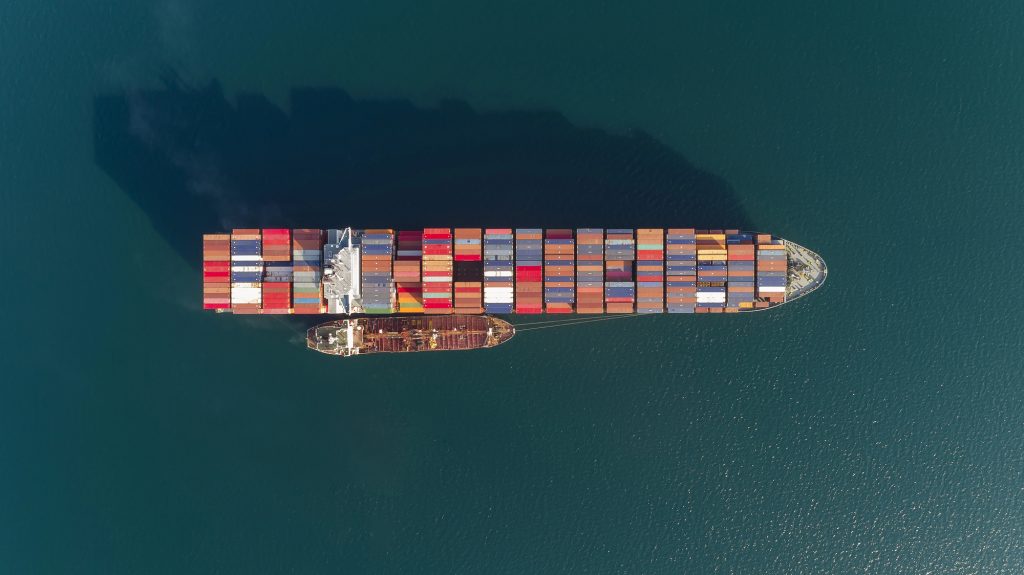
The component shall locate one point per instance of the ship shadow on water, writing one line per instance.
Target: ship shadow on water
(197, 162)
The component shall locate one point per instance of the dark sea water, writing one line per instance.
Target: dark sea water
(876, 426)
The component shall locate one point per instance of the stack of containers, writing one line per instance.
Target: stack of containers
(307, 291)
(529, 270)
(407, 271)
(277, 245)
(681, 270)
(771, 270)
(246, 271)
(740, 288)
(712, 271)
(378, 287)
(216, 271)
(619, 253)
(468, 271)
(559, 271)
(277, 288)
(437, 270)
(498, 270)
(590, 270)
(277, 271)
(650, 270)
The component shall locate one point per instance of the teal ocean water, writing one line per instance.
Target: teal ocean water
(874, 427)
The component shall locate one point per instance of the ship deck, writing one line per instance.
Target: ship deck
(426, 333)
(806, 271)
(391, 334)
(435, 272)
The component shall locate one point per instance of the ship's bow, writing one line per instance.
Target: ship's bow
(499, 331)
(806, 271)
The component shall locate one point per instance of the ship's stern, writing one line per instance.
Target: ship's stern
(330, 338)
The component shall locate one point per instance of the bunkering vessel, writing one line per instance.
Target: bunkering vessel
(472, 271)
(362, 336)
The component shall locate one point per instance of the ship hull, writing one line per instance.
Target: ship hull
(395, 334)
(437, 272)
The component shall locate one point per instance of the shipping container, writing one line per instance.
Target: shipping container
(619, 255)
(246, 269)
(771, 267)
(468, 271)
(307, 270)
(680, 270)
(590, 270)
(217, 271)
(377, 251)
(529, 254)
(650, 270)
(407, 271)
(559, 271)
(437, 270)
(499, 270)
(276, 245)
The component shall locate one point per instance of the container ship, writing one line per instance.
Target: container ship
(366, 273)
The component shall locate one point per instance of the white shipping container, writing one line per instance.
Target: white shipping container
(246, 258)
(772, 289)
(507, 274)
(710, 298)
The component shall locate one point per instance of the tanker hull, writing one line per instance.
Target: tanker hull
(370, 335)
